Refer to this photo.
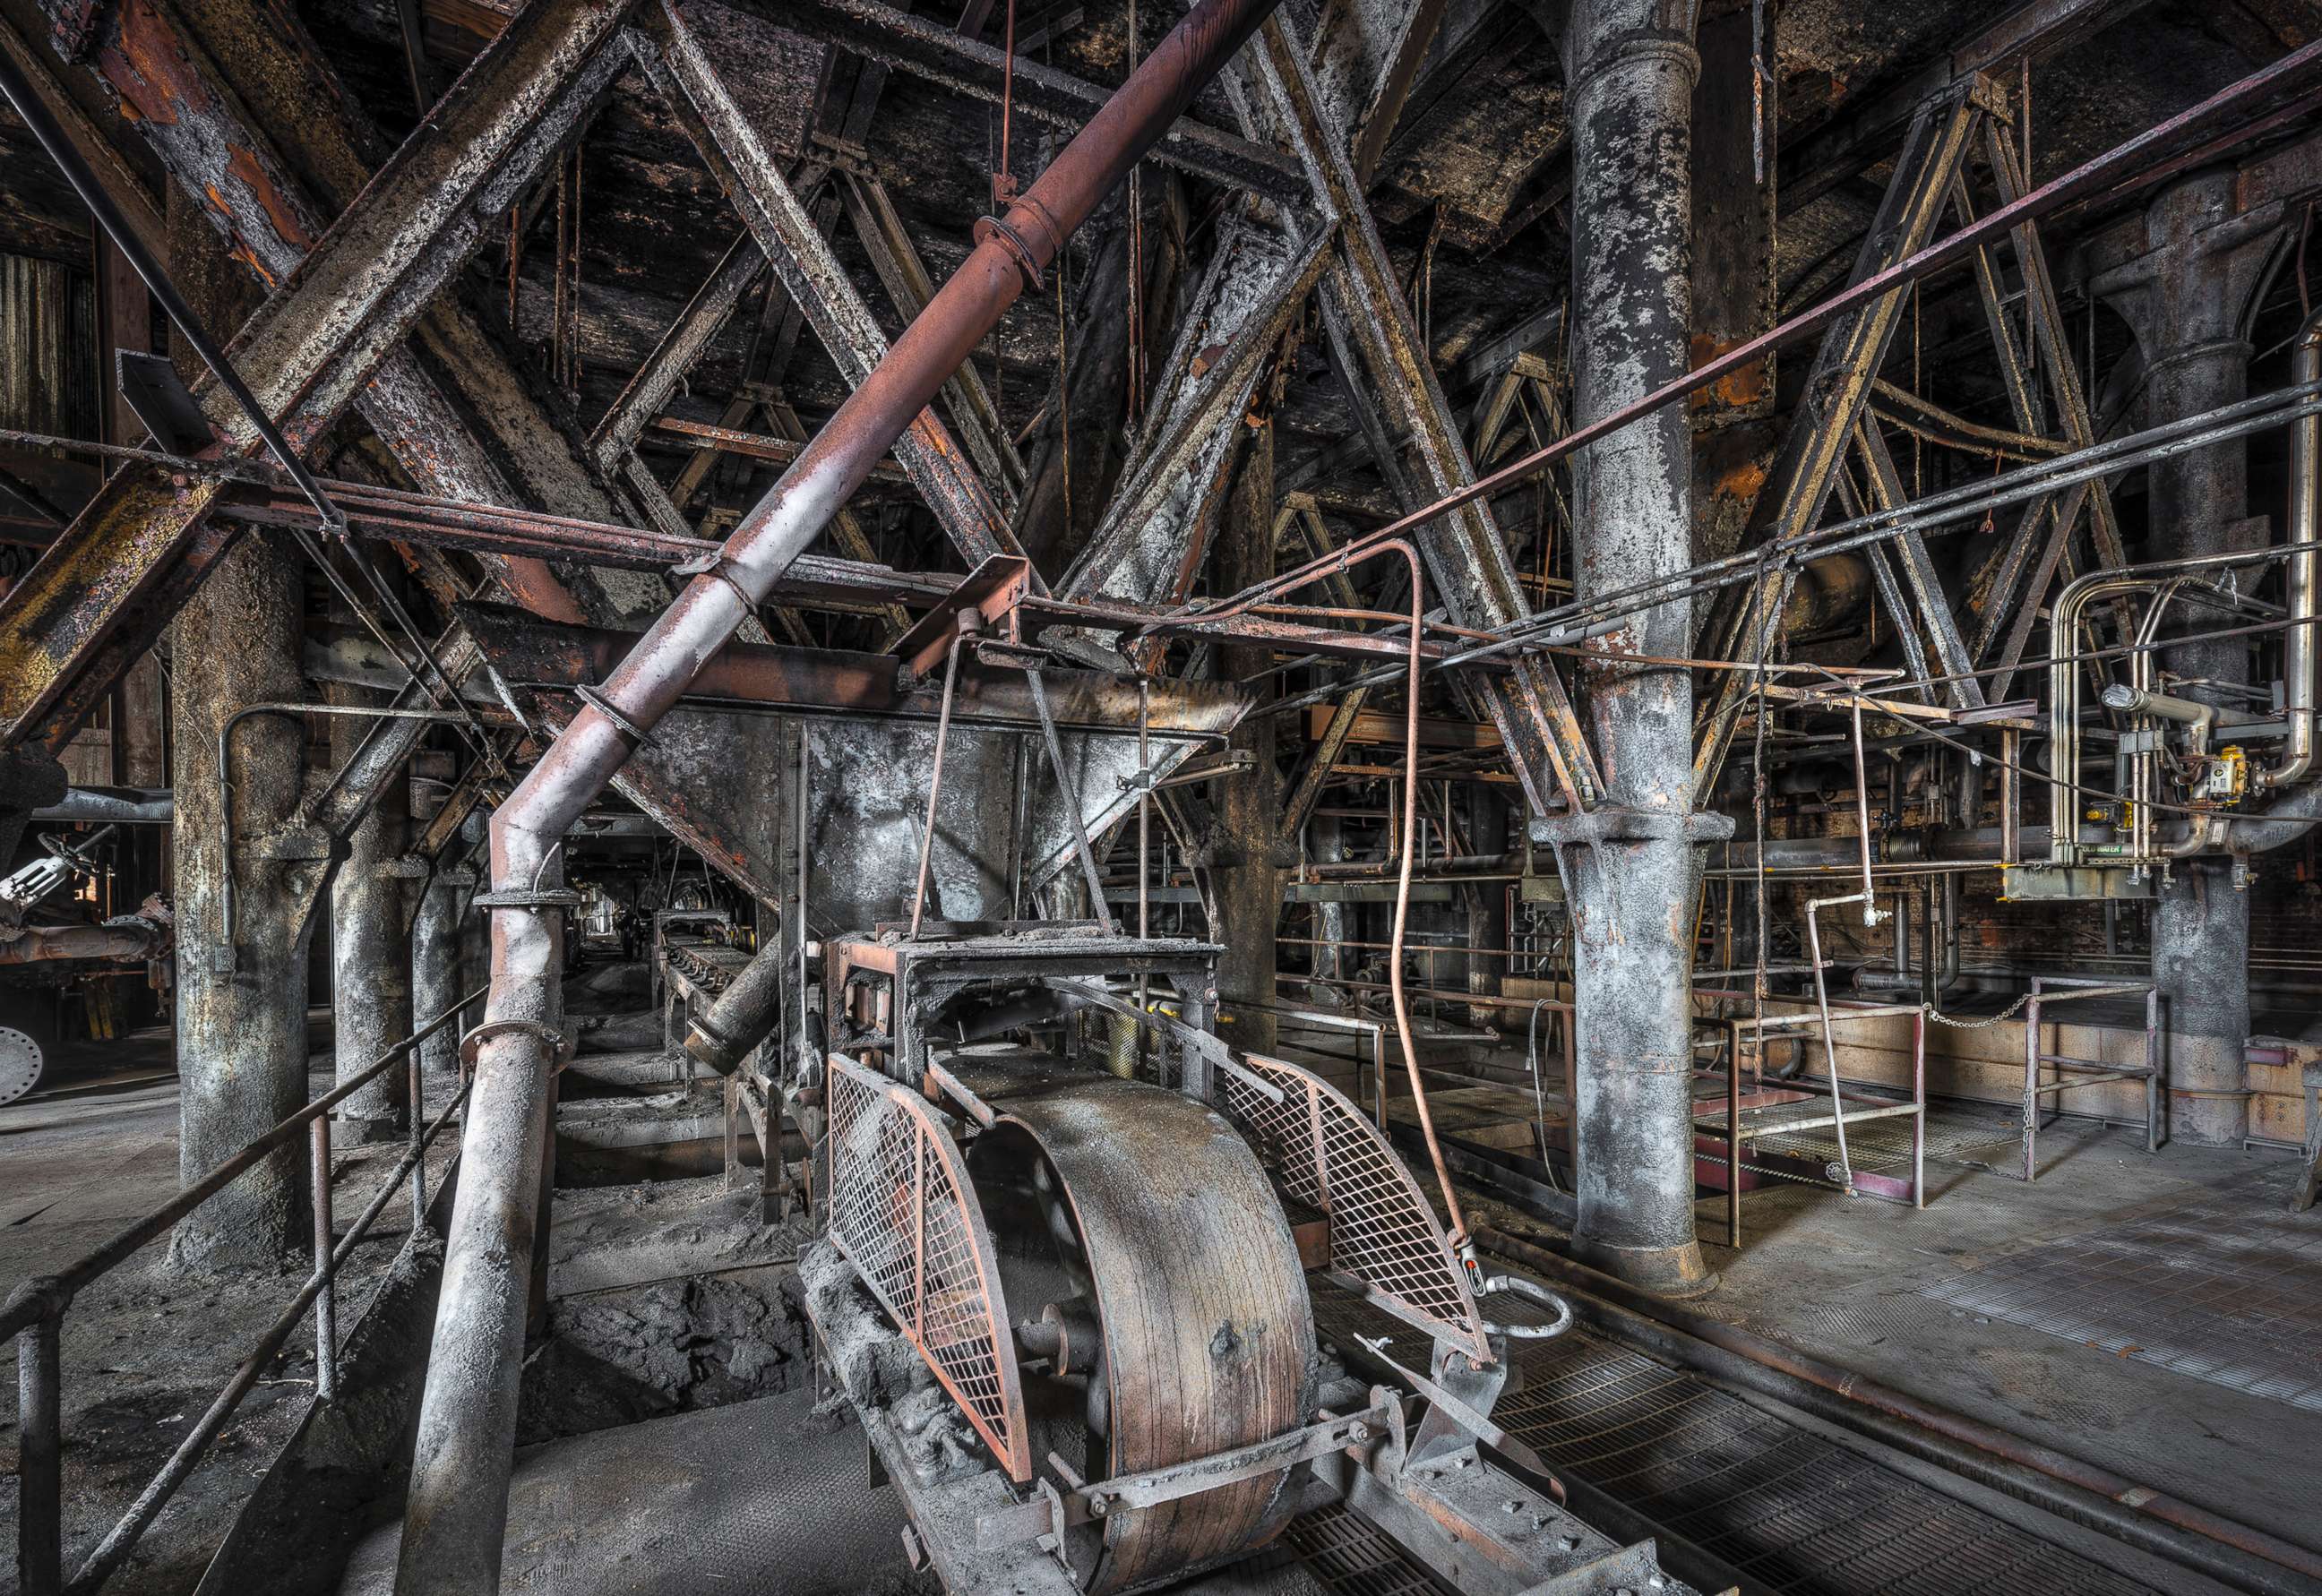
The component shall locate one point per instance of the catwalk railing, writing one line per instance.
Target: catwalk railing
(35, 1313)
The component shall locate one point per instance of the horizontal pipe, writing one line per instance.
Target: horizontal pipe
(133, 936)
(138, 806)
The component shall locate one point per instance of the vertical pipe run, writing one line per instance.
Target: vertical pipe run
(2297, 644)
(1630, 865)
(327, 1300)
(457, 1510)
(40, 1476)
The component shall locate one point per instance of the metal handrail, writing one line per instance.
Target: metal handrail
(34, 1315)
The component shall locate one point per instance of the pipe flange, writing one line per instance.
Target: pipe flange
(561, 1044)
(595, 698)
(1614, 822)
(539, 898)
(714, 565)
(988, 228)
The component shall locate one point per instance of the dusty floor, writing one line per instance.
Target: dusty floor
(2172, 1281)
(147, 1348)
(670, 1304)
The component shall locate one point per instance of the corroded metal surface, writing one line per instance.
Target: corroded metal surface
(1208, 1335)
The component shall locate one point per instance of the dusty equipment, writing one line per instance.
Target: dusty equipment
(1071, 1308)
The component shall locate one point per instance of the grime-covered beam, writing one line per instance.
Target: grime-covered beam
(137, 550)
(641, 399)
(1368, 54)
(1150, 543)
(879, 227)
(679, 67)
(1838, 387)
(120, 180)
(930, 49)
(1866, 133)
(1466, 559)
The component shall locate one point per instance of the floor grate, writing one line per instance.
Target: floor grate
(1799, 1514)
(2219, 1289)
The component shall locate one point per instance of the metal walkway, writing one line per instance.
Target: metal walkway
(1791, 1512)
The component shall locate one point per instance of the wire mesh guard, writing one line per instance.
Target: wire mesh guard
(902, 1211)
(1326, 1155)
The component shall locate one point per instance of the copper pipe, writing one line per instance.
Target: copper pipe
(970, 621)
(1410, 829)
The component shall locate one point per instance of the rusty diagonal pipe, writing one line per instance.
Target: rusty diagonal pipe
(456, 1514)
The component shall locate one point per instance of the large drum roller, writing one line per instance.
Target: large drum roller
(1161, 1306)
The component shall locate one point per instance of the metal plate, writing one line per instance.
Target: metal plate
(20, 1064)
(1800, 1515)
(1209, 1337)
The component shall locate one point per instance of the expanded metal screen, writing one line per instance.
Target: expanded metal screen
(902, 1210)
(1326, 1155)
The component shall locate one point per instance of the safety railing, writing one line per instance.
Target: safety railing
(2068, 1072)
(35, 1311)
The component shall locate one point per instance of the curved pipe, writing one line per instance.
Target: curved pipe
(1533, 1291)
(456, 1513)
(2305, 542)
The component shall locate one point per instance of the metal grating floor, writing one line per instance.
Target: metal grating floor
(1793, 1512)
(2226, 1291)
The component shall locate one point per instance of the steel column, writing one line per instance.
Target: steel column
(1629, 867)
(2186, 300)
(371, 946)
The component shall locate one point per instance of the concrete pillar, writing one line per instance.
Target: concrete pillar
(1250, 804)
(1488, 932)
(1630, 865)
(241, 999)
(2186, 298)
(436, 973)
(371, 943)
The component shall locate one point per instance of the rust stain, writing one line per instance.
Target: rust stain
(242, 163)
(1743, 481)
(147, 67)
(1737, 390)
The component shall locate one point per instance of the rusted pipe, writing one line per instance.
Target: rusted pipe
(457, 1510)
(968, 622)
(131, 936)
(1254, 599)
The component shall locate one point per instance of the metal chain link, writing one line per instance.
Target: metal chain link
(2005, 1015)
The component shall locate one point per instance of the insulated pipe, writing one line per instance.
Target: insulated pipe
(2131, 700)
(2298, 651)
(456, 1513)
